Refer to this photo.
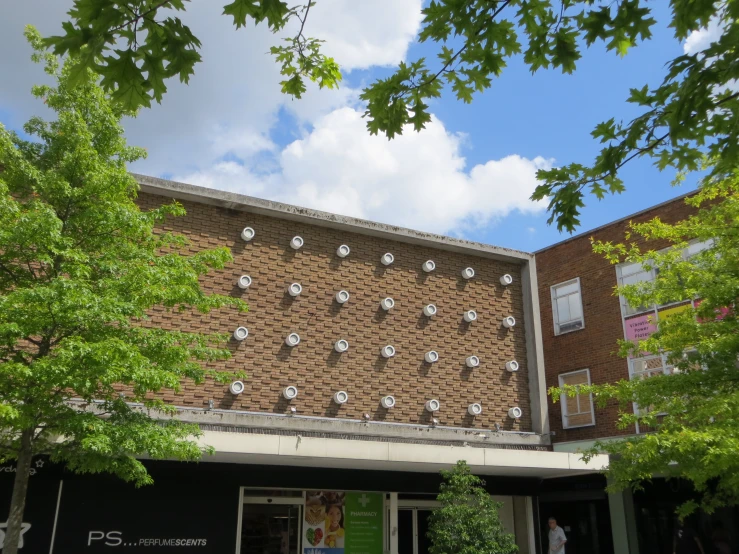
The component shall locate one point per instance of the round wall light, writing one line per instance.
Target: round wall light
(247, 234)
(294, 289)
(431, 356)
(343, 251)
(429, 265)
(293, 339)
(296, 243)
(515, 412)
(511, 366)
(474, 409)
(342, 297)
(341, 397)
(506, 280)
(468, 273)
(472, 361)
(429, 310)
(432, 405)
(387, 303)
(290, 392)
(470, 316)
(341, 345)
(387, 258)
(387, 402)
(387, 351)
(237, 387)
(244, 282)
(509, 321)
(241, 333)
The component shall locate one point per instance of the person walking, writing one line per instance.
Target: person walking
(686, 540)
(557, 538)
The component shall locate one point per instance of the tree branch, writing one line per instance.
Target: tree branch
(140, 16)
(451, 61)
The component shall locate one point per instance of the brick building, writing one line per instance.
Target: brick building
(350, 409)
(582, 321)
(333, 443)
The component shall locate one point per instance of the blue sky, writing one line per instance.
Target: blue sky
(469, 174)
(552, 113)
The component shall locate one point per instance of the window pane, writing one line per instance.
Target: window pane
(563, 290)
(638, 277)
(580, 419)
(579, 378)
(631, 268)
(563, 309)
(575, 306)
(643, 368)
(576, 410)
(696, 247)
(571, 404)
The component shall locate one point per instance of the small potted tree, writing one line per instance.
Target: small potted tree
(467, 521)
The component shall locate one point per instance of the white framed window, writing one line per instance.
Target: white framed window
(577, 411)
(646, 368)
(633, 273)
(567, 307)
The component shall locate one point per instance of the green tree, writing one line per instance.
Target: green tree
(467, 521)
(135, 49)
(693, 114)
(81, 266)
(692, 414)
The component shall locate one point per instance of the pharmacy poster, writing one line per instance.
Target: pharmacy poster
(342, 523)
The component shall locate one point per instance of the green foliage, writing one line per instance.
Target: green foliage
(689, 122)
(476, 39)
(136, 50)
(81, 267)
(691, 117)
(693, 413)
(467, 521)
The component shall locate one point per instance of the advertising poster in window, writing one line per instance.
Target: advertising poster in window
(667, 313)
(640, 327)
(342, 523)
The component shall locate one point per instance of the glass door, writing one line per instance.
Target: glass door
(412, 529)
(270, 528)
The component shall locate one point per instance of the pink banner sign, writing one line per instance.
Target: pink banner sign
(640, 327)
(721, 313)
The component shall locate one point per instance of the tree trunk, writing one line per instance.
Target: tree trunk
(18, 500)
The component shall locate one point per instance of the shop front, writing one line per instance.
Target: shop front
(251, 509)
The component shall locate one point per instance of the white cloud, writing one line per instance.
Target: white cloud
(233, 100)
(417, 180)
(700, 40)
(367, 33)
(221, 130)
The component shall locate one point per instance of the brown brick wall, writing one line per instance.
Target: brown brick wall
(313, 366)
(595, 345)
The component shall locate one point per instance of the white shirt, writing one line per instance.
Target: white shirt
(556, 540)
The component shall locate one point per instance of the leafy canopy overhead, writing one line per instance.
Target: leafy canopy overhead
(691, 415)
(467, 521)
(137, 45)
(688, 122)
(81, 267)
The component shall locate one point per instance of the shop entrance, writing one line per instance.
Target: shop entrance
(412, 528)
(270, 525)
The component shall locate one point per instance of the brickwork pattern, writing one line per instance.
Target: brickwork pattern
(313, 366)
(595, 346)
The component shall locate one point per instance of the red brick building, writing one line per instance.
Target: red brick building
(376, 356)
(582, 321)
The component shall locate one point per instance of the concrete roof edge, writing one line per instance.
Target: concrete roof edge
(616, 221)
(234, 201)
